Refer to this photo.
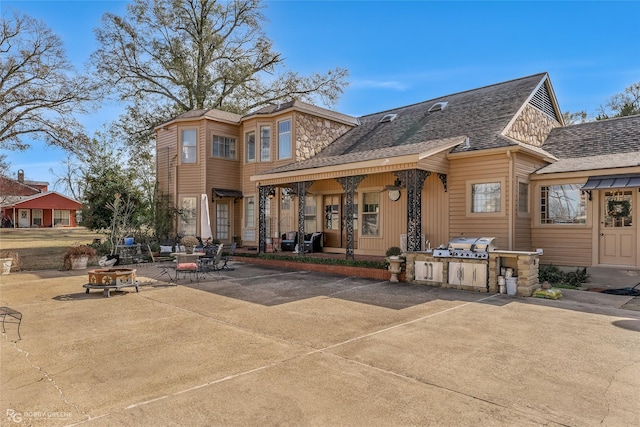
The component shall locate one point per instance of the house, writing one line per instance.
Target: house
(25, 204)
(494, 161)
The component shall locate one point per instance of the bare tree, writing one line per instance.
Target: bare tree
(195, 54)
(622, 104)
(577, 117)
(39, 94)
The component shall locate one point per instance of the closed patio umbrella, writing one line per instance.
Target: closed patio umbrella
(205, 223)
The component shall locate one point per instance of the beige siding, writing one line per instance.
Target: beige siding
(569, 245)
(491, 168)
(435, 215)
(524, 165)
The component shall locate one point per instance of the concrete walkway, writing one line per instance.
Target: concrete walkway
(261, 346)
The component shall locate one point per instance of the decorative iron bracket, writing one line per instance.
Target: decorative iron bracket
(443, 178)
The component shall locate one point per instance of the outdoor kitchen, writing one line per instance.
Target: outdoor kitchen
(475, 264)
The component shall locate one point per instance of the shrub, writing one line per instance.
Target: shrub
(16, 264)
(74, 252)
(394, 251)
(560, 279)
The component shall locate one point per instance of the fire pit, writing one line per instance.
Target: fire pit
(108, 279)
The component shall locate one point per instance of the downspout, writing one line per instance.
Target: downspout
(511, 209)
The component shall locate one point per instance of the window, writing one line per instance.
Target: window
(250, 140)
(61, 217)
(523, 197)
(486, 197)
(310, 224)
(265, 144)
(189, 148)
(250, 212)
(36, 217)
(562, 204)
(284, 139)
(371, 214)
(286, 199)
(188, 213)
(224, 147)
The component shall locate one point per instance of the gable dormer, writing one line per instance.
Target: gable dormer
(537, 117)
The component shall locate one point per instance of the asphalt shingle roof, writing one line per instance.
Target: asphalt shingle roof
(602, 144)
(480, 114)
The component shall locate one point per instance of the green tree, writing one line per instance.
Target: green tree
(622, 104)
(40, 94)
(104, 178)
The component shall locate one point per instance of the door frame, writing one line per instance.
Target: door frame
(601, 232)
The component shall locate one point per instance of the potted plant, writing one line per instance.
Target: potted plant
(395, 262)
(76, 257)
(189, 243)
(9, 259)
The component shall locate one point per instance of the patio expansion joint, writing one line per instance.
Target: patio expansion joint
(323, 350)
(49, 377)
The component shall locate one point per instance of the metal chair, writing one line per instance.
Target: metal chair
(226, 259)
(212, 264)
(187, 266)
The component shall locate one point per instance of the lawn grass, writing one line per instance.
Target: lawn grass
(42, 248)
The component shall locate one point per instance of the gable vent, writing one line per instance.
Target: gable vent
(388, 118)
(542, 101)
(438, 106)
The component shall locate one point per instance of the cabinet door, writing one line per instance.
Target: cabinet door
(480, 275)
(455, 273)
(436, 271)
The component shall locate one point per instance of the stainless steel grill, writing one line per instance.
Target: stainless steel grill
(471, 247)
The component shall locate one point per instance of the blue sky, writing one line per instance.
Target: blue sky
(399, 53)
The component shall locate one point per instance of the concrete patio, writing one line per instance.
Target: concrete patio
(265, 346)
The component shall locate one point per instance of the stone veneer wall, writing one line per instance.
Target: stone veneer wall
(315, 133)
(532, 126)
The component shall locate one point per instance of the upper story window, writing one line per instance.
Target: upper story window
(250, 140)
(265, 144)
(486, 197)
(188, 145)
(562, 204)
(224, 147)
(284, 139)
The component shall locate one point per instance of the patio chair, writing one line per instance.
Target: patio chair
(212, 264)
(225, 259)
(186, 265)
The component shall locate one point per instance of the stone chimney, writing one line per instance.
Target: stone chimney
(21, 176)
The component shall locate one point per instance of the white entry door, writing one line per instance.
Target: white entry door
(24, 218)
(618, 231)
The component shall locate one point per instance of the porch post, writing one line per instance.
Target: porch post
(414, 180)
(301, 191)
(349, 185)
(263, 195)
